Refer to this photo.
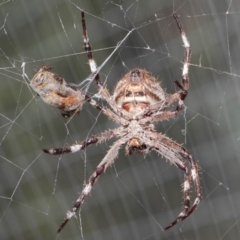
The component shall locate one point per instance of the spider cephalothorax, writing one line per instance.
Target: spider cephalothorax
(137, 103)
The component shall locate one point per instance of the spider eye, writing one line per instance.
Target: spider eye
(135, 75)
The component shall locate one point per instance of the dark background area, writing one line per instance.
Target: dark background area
(138, 195)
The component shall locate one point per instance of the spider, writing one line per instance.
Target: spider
(137, 103)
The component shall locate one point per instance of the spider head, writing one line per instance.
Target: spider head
(134, 145)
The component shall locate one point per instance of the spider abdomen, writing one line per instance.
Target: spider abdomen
(137, 90)
(135, 107)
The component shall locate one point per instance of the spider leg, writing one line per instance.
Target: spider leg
(159, 116)
(104, 164)
(107, 112)
(92, 63)
(88, 50)
(186, 196)
(174, 152)
(93, 67)
(184, 85)
(98, 138)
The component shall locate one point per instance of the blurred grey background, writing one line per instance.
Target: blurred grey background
(138, 195)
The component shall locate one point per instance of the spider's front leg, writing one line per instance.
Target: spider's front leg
(175, 153)
(103, 165)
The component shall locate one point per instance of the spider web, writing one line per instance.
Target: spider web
(138, 195)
